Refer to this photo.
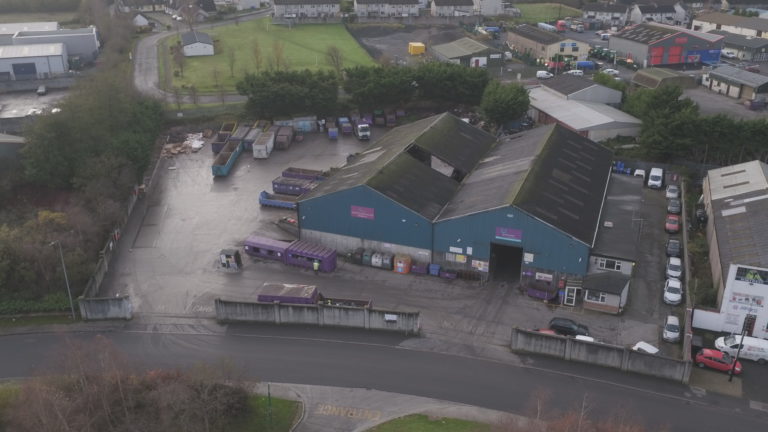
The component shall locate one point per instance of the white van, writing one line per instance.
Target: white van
(543, 75)
(754, 348)
(575, 72)
(656, 178)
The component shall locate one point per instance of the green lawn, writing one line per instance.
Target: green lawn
(59, 17)
(304, 48)
(542, 12)
(8, 392)
(22, 321)
(284, 415)
(422, 423)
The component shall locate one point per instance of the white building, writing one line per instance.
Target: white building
(665, 14)
(307, 8)
(197, 43)
(746, 26)
(8, 30)
(736, 201)
(28, 62)
(611, 15)
(82, 43)
(140, 21)
(386, 8)
(449, 8)
(488, 7)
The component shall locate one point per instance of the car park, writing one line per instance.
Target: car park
(673, 191)
(567, 327)
(673, 292)
(673, 247)
(717, 360)
(674, 268)
(672, 224)
(671, 332)
(674, 206)
(611, 72)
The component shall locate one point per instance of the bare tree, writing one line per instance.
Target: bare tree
(257, 57)
(215, 73)
(177, 97)
(193, 94)
(278, 53)
(222, 94)
(231, 59)
(179, 59)
(335, 59)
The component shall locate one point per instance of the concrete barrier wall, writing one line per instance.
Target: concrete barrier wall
(53, 83)
(105, 308)
(614, 356)
(321, 315)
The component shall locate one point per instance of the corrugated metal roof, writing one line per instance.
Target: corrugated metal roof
(656, 9)
(461, 48)
(453, 2)
(618, 239)
(31, 50)
(13, 28)
(578, 115)
(191, 37)
(60, 32)
(738, 179)
(752, 23)
(536, 34)
(711, 37)
(568, 84)
(734, 75)
(741, 41)
(649, 33)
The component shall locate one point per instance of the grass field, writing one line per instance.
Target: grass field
(542, 12)
(23, 321)
(304, 48)
(422, 423)
(284, 413)
(59, 17)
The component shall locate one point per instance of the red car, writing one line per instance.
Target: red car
(716, 360)
(673, 224)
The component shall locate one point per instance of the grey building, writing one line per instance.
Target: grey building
(606, 292)
(82, 44)
(611, 15)
(467, 52)
(736, 83)
(582, 89)
(7, 30)
(28, 62)
(656, 44)
(744, 47)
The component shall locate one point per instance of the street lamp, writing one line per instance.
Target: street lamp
(66, 279)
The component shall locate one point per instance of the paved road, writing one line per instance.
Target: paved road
(145, 71)
(355, 359)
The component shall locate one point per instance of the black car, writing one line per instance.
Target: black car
(674, 206)
(673, 247)
(568, 327)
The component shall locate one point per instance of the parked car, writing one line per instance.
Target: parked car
(575, 72)
(674, 206)
(752, 348)
(673, 191)
(611, 72)
(656, 178)
(567, 327)
(673, 292)
(674, 268)
(717, 360)
(672, 224)
(645, 347)
(671, 332)
(673, 247)
(640, 173)
(729, 54)
(543, 75)
(701, 215)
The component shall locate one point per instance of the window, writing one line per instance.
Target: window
(575, 49)
(596, 296)
(562, 49)
(609, 264)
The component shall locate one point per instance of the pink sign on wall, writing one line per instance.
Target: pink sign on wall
(363, 212)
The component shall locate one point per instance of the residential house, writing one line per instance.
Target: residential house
(197, 43)
(446, 8)
(488, 7)
(307, 8)
(611, 15)
(140, 21)
(665, 14)
(141, 5)
(386, 8)
(746, 26)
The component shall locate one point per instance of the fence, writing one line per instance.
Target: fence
(105, 308)
(320, 314)
(601, 354)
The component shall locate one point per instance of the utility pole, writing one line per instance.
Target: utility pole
(66, 279)
(749, 322)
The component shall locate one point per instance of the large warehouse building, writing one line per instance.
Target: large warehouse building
(82, 44)
(656, 44)
(7, 30)
(28, 62)
(442, 191)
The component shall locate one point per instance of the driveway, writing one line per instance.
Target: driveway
(711, 103)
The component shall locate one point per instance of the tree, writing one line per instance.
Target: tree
(257, 58)
(449, 83)
(278, 93)
(231, 59)
(278, 54)
(179, 59)
(177, 97)
(504, 102)
(335, 59)
(193, 94)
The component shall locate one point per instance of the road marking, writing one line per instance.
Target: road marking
(349, 412)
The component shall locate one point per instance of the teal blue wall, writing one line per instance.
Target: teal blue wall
(392, 222)
(552, 249)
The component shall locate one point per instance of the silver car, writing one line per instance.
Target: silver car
(671, 331)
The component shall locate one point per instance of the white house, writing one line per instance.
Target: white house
(610, 14)
(488, 7)
(735, 199)
(447, 8)
(386, 8)
(746, 26)
(140, 21)
(196, 43)
(665, 14)
(307, 8)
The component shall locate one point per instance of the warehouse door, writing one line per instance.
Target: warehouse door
(505, 264)
(675, 55)
(25, 71)
(657, 55)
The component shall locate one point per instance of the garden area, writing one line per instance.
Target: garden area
(255, 46)
(543, 12)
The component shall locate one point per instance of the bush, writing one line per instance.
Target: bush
(56, 302)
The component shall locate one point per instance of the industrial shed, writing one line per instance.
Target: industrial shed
(7, 30)
(736, 83)
(745, 47)
(583, 89)
(593, 120)
(656, 44)
(82, 43)
(28, 62)
(653, 78)
(442, 191)
(542, 44)
(467, 52)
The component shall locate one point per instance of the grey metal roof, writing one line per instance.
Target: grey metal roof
(610, 282)
(13, 28)
(536, 34)
(568, 84)
(654, 9)
(740, 218)
(189, 38)
(32, 50)
(620, 226)
(307, 2)
(566, 184)
(602, 7)
(735, 75)
(388, 1)
(418, 165)
(741, 41)
(60, 32)
(454, 2)
(645, 33)
(461, 48)
(752, 23)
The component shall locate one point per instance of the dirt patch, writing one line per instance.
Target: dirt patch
(390, 41)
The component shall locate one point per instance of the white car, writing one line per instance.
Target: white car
(645, 347)
(543, 75)
(673, 192)
(671, 331)
(728, 54)
(673, 292)
(611, 72)
(674, 268)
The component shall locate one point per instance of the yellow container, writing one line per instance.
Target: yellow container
(416, 48)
